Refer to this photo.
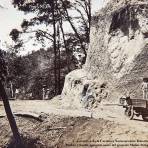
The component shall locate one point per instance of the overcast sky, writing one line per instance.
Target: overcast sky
(12, 18)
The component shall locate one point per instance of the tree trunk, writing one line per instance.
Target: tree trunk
(59, 60)
(64, 40)
(10, 116)
(54, 46)
(89, 18)
(75, 30)
(67, 53)
(11, 88)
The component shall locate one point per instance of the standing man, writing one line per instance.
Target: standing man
(16, 93)
(145, 88)
(43, 93)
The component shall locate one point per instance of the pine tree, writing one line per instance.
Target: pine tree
(4, 97)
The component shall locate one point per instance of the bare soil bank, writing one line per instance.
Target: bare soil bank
(74, 132)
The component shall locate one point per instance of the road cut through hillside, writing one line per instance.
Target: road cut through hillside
(104, 127)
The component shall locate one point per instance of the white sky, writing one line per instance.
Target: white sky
(12, 18)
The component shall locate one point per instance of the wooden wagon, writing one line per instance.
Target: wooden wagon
(135, 107)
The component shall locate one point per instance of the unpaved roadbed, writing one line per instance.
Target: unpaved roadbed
(64, 128)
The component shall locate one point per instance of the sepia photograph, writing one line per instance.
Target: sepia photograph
(74, 74)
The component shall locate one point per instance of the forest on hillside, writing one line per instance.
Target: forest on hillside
(40, 74)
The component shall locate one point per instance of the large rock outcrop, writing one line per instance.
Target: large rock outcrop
(118, 51)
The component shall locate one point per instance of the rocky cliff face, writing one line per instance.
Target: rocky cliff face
(118, 52)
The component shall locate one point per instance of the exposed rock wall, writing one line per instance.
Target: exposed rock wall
(119, 45)
(118, 51)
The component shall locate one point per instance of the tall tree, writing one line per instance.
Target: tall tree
(45, 14)
(53, 13)
(3, 95)
(83, 8)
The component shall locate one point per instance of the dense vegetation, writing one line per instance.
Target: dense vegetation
(46, 68)
(35, 71)
(62, 50)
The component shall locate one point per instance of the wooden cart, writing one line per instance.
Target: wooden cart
(135, 107)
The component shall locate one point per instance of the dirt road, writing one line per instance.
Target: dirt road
(108, 112)
(66, 128)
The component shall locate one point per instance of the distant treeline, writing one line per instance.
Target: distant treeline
(32, 74)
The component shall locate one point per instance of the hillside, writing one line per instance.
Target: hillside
(117, 56)
(87, 113)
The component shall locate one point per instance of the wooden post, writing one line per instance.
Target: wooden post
(11, 87)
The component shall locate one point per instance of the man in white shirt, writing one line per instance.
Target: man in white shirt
(145, 88)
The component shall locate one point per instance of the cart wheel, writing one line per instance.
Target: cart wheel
(145, 117)
(129, 112)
